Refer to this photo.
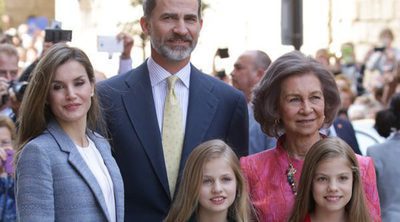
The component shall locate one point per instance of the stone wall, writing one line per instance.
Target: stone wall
(20, 10)
(360, 22)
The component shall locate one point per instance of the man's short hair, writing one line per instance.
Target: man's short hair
(8, 50)
(149, 5)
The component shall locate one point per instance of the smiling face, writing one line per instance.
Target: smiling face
(332, 186)
(70, 93)
(173, 27)
(301, 105)
(218, 188)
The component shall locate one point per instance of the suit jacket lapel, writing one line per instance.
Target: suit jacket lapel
(140, 107)
(76, 160)
(113, 170)
(202, 107)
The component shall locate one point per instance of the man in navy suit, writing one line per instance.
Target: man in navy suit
(133, 104)
(343, 129)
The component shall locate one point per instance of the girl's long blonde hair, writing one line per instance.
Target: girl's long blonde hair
(187, 199)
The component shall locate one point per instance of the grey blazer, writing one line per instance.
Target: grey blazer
(386, 159)
(53, 182)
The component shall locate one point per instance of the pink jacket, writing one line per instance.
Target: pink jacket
(271, 194)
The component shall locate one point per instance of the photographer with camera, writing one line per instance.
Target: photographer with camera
(383, 61)
(8, 76)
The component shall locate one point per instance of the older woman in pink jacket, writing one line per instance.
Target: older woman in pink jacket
(295, 99)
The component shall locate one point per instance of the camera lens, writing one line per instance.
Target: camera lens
(19, 89)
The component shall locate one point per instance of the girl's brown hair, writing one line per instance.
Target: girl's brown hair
(331, 147)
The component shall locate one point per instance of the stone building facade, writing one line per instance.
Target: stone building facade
(20, 10)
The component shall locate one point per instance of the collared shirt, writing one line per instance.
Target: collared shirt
(329, 131)
(159, 85)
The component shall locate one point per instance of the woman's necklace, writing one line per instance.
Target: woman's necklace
(290, 172)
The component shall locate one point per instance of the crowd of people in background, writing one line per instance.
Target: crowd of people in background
(298, 138)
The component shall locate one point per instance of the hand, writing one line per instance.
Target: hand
(7, 157)
(3, 90)
(128, 44)
(14, 102)
(3, 155)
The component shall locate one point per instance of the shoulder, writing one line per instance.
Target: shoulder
(363, 160)
(376, 149)
(120, 80)
(40, 143)
(366, 165)
(389, 147)
(217, 86)
(253, 162)
(113, 83)
(38, 152)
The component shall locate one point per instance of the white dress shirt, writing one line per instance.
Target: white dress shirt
(159, 85)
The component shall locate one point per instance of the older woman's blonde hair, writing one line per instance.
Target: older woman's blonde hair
(186, 202)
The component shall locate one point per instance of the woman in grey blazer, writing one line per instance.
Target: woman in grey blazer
(386, 159)
(65, 171)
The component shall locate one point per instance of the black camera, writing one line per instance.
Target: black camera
(223, 53)
(57, 35)
(379, 49)
(17, 88)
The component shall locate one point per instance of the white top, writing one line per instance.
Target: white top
(95, 162)
(159, 85)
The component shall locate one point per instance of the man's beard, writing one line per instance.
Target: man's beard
(177, 53)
